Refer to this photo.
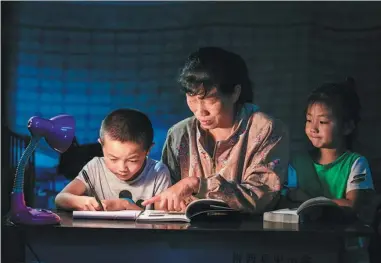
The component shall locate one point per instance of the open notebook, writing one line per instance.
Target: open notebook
(119, 215)
(201, 209)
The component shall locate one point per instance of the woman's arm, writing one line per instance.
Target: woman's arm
(261, 182)
(169, 159)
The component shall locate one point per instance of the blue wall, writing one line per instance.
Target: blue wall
(88, 58)
(87, 76)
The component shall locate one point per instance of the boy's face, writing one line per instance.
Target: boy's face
(322, 128)
(124, 159)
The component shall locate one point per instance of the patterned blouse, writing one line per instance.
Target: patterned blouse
(246, 170)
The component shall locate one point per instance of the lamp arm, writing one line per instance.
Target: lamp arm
(18, 186)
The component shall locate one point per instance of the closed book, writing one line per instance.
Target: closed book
(314, 209)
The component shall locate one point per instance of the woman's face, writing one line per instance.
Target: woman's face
(213, 110)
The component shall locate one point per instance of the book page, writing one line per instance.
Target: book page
(282, 216)
(316, 201)
(285, 211)
(205, 206)
(162, 216)
(124, 214)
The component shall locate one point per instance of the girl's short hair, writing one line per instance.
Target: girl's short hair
(343, 101)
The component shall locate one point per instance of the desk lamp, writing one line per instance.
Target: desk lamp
(58, 133)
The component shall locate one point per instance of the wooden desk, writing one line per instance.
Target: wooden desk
(246, 241)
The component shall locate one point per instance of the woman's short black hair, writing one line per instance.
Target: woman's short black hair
(211, 67)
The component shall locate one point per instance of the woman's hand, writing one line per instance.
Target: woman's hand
(173, 199)
(118, 205)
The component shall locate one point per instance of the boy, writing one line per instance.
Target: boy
(126, 137)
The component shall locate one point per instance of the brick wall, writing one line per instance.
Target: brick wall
(86, 59)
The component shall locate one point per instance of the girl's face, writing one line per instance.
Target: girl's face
(322, 127)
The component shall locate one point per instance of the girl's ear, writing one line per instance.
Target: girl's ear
(349, 127)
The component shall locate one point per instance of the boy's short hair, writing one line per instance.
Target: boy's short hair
(128, 125)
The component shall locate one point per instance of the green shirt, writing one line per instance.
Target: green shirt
(329, 180)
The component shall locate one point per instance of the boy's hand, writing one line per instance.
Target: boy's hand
(87, 203)
(173, 199)
(118, 205)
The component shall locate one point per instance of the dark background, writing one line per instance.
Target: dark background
(88, 58)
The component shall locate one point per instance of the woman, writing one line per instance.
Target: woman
(228, 150)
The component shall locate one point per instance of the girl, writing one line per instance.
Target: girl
(331, 168)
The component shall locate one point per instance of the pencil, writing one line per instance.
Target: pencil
(92, 189)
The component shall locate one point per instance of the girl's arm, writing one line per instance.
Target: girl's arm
(360, 189)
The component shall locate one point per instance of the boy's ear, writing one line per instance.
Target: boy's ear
(349, 127)
(100, 141)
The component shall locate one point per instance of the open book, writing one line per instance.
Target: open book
(202, 209)
(314, 209)
(118, 215)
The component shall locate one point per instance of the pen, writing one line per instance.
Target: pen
(92, 189)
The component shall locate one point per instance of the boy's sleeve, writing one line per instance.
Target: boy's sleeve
(163, 180)
(360, 176)
(91, 171)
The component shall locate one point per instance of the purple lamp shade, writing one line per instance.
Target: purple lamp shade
(57, 131)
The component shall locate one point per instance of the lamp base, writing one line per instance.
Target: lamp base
(35, 217)
(22, 214)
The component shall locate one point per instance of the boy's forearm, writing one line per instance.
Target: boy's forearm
(66, 201)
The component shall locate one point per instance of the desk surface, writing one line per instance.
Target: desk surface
(224, 242)
(247, 224)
